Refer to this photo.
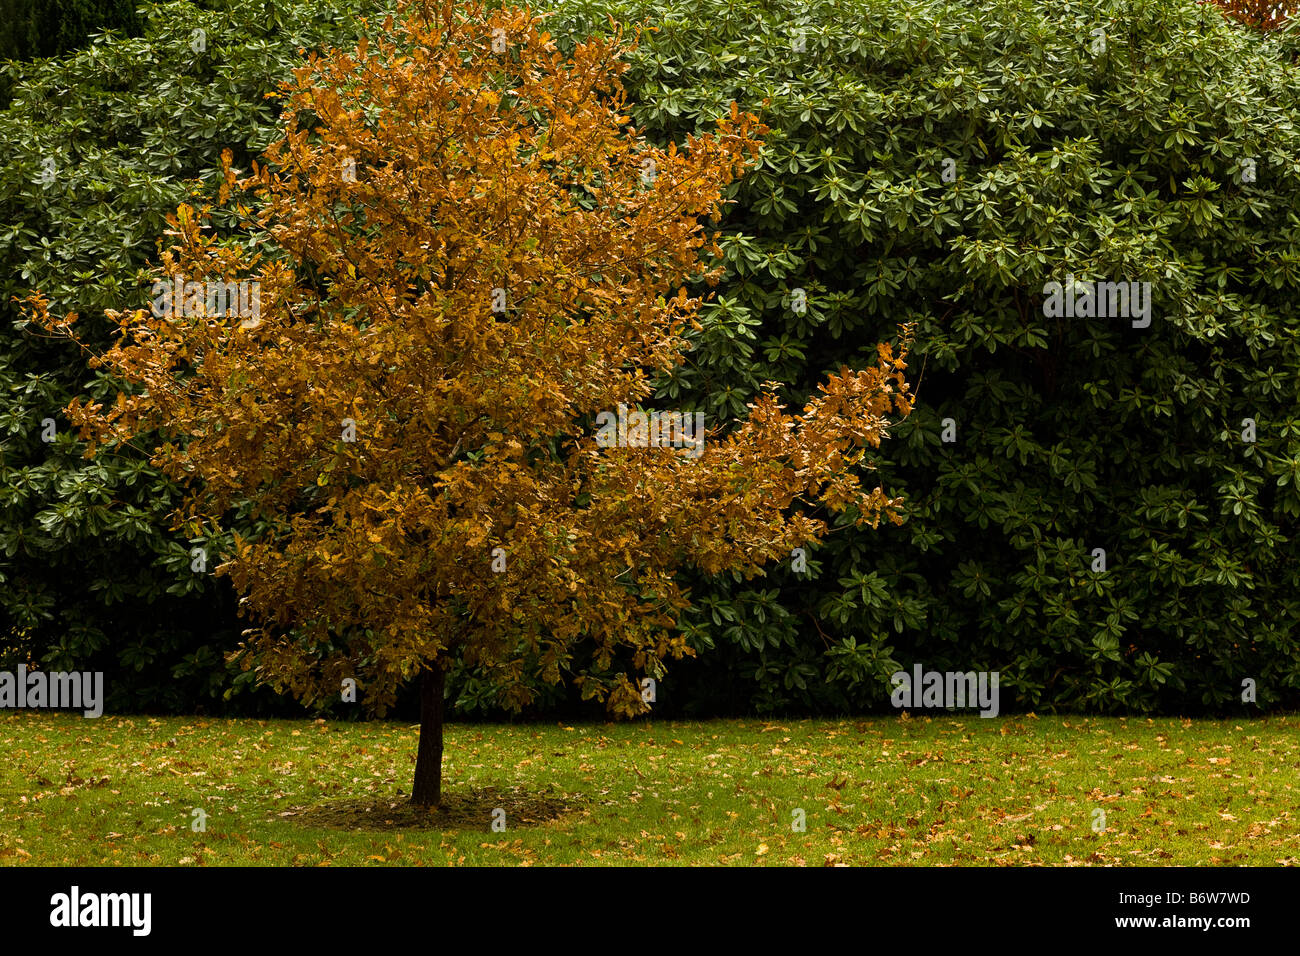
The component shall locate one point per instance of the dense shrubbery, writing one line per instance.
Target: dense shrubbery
(1121, 162)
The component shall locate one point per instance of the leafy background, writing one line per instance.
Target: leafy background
(1071, 434)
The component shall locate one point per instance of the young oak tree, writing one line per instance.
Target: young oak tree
(463, 255)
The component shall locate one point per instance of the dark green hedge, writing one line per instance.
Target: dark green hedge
(1114, 160)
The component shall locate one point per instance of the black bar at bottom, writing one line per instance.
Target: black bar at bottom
(369, 906)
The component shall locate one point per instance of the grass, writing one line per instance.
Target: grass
(882, 791)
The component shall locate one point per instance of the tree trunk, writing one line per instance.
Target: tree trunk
(427, 789)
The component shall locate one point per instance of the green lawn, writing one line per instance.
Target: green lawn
(946, 790)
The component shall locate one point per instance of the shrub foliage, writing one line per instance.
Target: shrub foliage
(1142, 141)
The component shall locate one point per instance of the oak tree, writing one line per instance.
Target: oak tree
(463, 258)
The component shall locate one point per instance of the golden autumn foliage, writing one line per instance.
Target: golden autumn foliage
(1261, 14)
(463, 255)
